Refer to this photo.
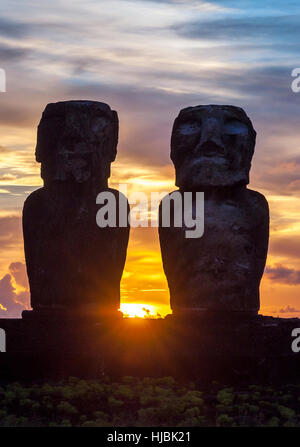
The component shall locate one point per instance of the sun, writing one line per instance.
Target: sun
(138, 310)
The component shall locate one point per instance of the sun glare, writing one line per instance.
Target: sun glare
(138, 310)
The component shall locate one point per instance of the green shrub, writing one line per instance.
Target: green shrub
(224, 420)
(146, 401)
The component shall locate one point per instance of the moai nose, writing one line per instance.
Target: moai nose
(210, 143)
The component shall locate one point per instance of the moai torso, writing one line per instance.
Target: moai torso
(72, 263)
(212, 147)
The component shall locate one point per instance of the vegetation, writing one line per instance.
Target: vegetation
(147, 402)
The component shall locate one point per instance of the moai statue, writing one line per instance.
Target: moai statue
(73, 265)
(211, 148)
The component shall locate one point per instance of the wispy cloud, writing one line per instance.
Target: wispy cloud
(255, 28)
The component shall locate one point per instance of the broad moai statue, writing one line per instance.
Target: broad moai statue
(73, 265)
(211, 148)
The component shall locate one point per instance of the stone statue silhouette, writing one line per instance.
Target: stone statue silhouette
(211, 148)
(73, 265)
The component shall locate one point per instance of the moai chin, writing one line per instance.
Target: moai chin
(74, 266)
(211, 148)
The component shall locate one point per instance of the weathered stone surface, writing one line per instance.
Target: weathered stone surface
(72, 264)
(211, 149)
(212, 146)
(77, 141)
(230, 350)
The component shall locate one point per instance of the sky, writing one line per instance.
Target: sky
(148, 59)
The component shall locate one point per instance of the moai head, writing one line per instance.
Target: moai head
(77, 141)
(212, 146)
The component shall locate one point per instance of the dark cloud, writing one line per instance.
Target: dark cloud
(12, 302)
(7, 177)
(256, 3)
(288, 310)
(283, 275)
(151, 95)
(149, 112)
(288, 246)
(267, 86)
(25, 28)
(18, 113)
(10, 232)
(146, 107)
(281, 177)
(15, 29)
(12, 200)
(176, 2)
(230, 28)
(18, 271)
(9, 53)
(13, 298)
(146, 117)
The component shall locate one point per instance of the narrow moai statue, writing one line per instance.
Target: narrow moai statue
(73, 265)
(211, 149)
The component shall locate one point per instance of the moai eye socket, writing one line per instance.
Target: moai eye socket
(189, 128)
(235, 127)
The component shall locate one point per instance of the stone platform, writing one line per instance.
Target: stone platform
(227, 348)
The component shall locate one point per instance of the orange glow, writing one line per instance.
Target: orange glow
(133, 310)
(144, 284)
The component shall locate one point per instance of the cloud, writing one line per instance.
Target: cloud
(148, 60)
(147, 112)
(10, 53)
(278, 27)
(283, 275)
(288, 310)
(14, 292)
(19, 273)
(282, 176)
(288, 246)
(10, 232)
(12, 28)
